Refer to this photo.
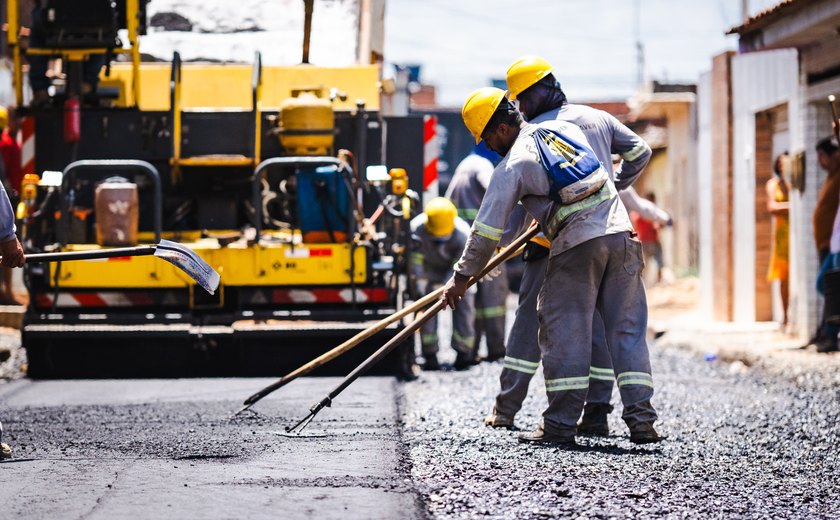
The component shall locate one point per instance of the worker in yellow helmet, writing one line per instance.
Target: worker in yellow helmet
(531, 81)
(439, 236)
(466, 189)
(594, 262)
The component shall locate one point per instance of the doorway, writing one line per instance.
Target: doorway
(772, 138)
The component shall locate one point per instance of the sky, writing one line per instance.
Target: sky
(463, 44)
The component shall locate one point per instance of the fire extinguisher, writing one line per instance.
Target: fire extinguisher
(72, 119)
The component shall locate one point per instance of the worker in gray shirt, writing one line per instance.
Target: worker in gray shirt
(440, 237)
(594, 262)
(10, 248)
(12, 256)
(466, 189)
(530, 80)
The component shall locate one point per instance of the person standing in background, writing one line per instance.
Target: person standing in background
(777, 205)
(469, 182)
(825, 211)
(647, 231)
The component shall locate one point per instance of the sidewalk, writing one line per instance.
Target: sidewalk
(675, 322)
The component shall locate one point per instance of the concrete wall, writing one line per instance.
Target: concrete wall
(705, 207)
(760, 81)
(720, 161)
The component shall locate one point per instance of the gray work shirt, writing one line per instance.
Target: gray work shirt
(607, 135)
(468, 184)
(521, 177)
(7, 217)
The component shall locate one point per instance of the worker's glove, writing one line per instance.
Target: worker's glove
(454, 290)
(12, 253)
(492, 275)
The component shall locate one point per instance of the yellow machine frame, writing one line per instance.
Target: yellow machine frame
(132, 8)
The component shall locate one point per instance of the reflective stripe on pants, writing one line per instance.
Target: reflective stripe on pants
(490, 313)
(523, 344)
(604, 274)
(463, 333)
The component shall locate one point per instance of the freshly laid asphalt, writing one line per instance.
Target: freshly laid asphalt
(168, 449)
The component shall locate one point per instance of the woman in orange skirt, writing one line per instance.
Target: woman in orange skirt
(777, 206)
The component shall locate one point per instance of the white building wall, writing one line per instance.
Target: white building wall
(704, 185)
(815, 125)
(760, 80)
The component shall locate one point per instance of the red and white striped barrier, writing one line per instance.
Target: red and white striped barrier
(96, 299)
(27, 145)
(328, 295)
(431, 151)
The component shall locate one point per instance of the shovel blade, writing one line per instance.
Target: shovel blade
(188, 261)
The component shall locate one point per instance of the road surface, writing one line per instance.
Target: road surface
(742, 443)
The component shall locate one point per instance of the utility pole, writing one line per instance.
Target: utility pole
(640, 49)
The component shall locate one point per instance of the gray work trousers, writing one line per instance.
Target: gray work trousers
(604, 274)
(523, 349)
(490, 311)
(463, 333)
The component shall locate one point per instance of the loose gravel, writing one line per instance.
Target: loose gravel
(742, 443)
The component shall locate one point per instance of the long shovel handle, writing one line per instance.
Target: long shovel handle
(379, 326)
(411, 328)
(344, 347)
(90, 255)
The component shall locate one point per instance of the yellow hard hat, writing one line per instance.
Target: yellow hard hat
(479, 108)
(4, 117)
(525, 72)
(440, 216)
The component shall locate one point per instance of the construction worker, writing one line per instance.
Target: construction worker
(530, 80)
(439, 236)
(466, 189)
(11, 255)
(594, 261)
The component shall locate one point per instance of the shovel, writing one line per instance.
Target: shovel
(176, 254)
(409, 330)
(351, 343)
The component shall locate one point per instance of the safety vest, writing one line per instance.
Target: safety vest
(573, 170)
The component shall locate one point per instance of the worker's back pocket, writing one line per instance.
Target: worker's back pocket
(633, 261)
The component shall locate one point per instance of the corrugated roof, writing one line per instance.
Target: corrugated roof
(767, 16)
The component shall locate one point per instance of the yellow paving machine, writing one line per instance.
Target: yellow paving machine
(287, 180)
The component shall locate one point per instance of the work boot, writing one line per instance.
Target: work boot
(463, 361)
(594, 420)
(644, 433)
(540, 436)
(5, 451)
(826, 345)
(493, 356)
(432, 364)
(498, 420)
